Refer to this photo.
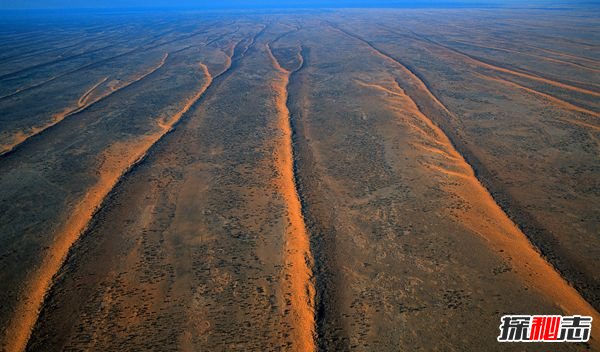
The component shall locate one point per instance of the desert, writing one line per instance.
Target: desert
(297, 179)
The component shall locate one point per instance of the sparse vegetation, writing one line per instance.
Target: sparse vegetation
(347, 180)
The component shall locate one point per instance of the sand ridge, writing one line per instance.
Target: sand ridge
(555, 100)
(414, 78)
(270, 193)
(298, 258)
(118, 159)
(545, 58)
(83, 104)
(489, 221)
(44, 64)
(527, 75)
(586, 59)
(86, 96)
(143, 47)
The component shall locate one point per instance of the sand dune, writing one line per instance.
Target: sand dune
(299, 181)
(21, 90)
(545, 58)
(433, 132)
(117, 161)
(530, 76)
(298, 258)
(83, 104)
(44, 64)
(419, 82)
(581, 58)
(488, 220)
(549, 97)
(556, 101)
(150, 45)
(86, 96)
(574, 302)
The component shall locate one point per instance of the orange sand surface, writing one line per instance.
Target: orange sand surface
(118, 159)
(298, 259)
(83, 104)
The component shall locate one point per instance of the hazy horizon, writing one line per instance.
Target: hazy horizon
(254, 4)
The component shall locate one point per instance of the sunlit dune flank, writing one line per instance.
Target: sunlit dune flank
(485, 218)
(433, 150)
(557, 101)
(414, 78)
(445, 171)
(85, 97)
(298, 258)
(545, 58)
(117, 160)
(169, 122)
(518, 73)
(83, 104)
(592, 61)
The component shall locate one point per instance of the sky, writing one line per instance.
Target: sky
(75, 4)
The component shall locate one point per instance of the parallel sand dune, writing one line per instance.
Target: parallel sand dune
(22, 123)
(469, 190)
(82, 104)
(540, 132)
(116, 159)
(349, 180)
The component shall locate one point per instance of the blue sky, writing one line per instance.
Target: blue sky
(33, 4)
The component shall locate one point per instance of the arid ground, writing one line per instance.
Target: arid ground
(364, 180)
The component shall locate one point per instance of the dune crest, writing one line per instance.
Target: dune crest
(485, 218)
(298, 258)
(117, 161)
(530, 76)
(82, 104)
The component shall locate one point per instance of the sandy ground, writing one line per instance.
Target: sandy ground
(356, 180)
